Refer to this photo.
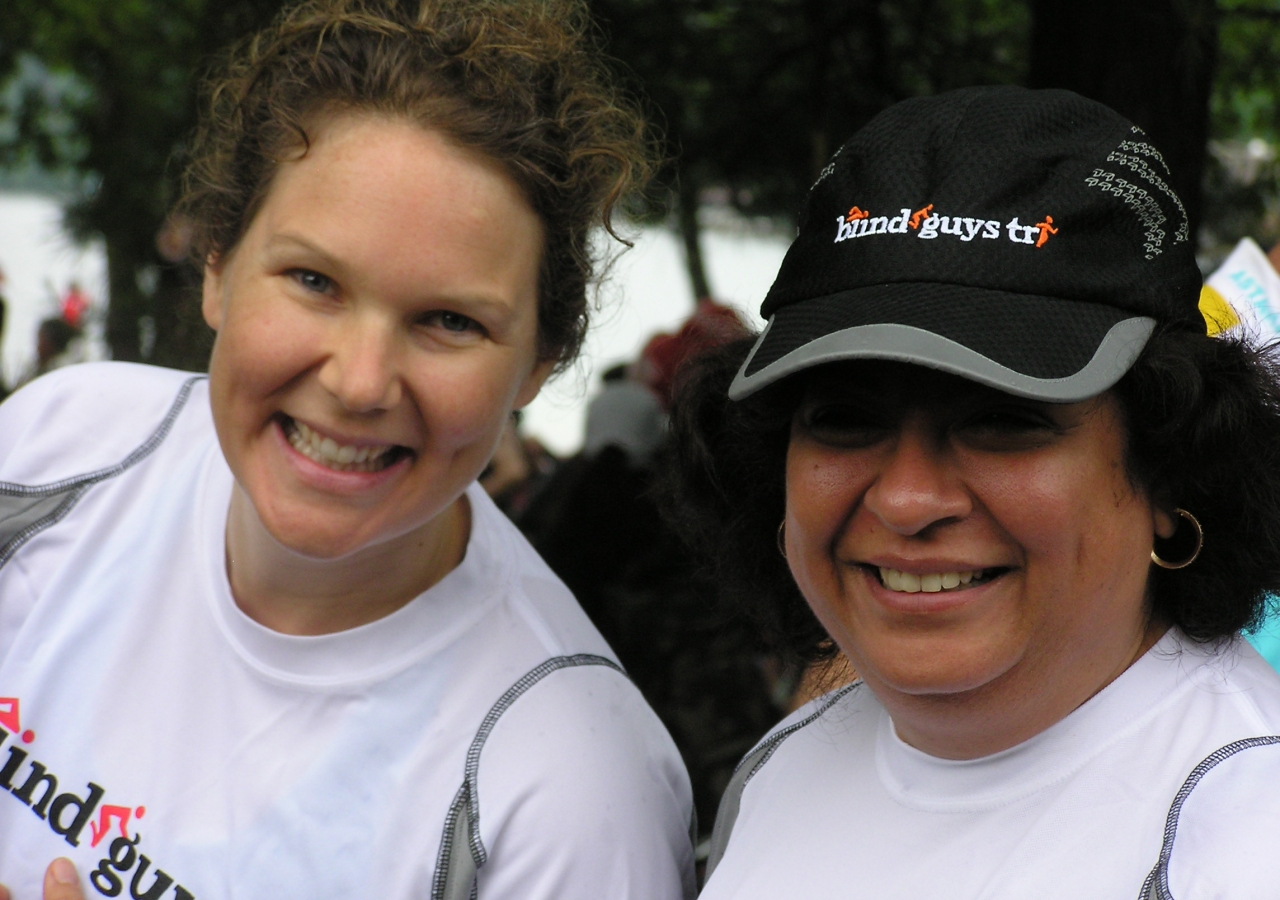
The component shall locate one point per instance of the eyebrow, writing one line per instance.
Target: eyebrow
(275, 241)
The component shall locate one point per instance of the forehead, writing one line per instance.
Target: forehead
(390, 158)
(387, 197)
(885, 381)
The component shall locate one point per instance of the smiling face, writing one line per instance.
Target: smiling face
(963, 545)
(377, 323)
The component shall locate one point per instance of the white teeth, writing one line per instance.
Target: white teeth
(932, 583)
(329, 453)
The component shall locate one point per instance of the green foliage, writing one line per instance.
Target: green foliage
(107, 89)
(1242, 179)
(1246, 98)
(755, 95)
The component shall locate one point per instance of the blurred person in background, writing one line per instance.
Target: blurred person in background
(987, 449)
(261, 633)
(626, 414)
(74, 304)
(518, 470)
(711, 325)
(597, 523)
(58, 344)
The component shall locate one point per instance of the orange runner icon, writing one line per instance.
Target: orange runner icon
(920, 215)
(1046, 230)
(855, 214)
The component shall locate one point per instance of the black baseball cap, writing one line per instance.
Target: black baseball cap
(1027, 240)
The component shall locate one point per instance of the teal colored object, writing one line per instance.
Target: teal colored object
(1267, 638)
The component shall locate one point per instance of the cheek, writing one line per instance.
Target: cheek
(261, 345)
(467, 404)
(1080, 525)
(823, 491)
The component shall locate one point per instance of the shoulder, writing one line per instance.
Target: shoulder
(535, 594)
(1232, 674)
(819, 724)
(1221, 827)
(1221, 823)
(44, 426)
(822, 718)
(585, 710)
(581, 792)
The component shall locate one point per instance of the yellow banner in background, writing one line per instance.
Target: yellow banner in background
(1217, 312)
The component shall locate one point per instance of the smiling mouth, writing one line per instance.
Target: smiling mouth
(339, 457)
(935, 582)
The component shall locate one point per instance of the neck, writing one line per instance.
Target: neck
(296, 594)
(1010, 709)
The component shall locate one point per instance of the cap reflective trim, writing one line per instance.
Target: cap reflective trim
(905, 343)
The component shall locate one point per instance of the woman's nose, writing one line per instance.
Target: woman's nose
(917, 486)
(360, 370)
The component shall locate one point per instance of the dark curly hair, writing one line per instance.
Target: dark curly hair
(521, 81)
(1203, 433)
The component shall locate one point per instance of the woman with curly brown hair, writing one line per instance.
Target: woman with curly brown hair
(260, 633)
(987, 450)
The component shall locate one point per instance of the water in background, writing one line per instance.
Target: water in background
(40, 261)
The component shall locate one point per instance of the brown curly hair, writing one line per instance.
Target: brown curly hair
(522, 81)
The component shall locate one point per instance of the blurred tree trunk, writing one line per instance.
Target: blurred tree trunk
(183, 340)
(124, 121)
(1150, 60)
(690, 232)
(126, 304)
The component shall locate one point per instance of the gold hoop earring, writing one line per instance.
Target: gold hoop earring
(782, 538)
(1182, 564)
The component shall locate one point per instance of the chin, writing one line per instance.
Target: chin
(934, 670)
(320, 546)
(937, 684)
(313, 537)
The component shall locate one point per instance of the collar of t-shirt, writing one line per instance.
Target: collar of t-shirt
(925, 782)
(371, 652)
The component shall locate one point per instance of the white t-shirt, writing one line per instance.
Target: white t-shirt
(484, 725)
(1175, 762)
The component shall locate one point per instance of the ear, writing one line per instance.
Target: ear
(211, 293)
(533, 383)
(1165, 521)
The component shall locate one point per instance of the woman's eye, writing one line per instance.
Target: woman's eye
(313, 281)
(842, 423)
(455, 323)
(1008, 426)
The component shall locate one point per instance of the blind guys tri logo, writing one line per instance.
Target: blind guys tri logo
(68, 813)
(929, 225)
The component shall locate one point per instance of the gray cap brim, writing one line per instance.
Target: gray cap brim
(1115, 354)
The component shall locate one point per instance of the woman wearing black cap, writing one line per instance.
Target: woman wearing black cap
(986, 450)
